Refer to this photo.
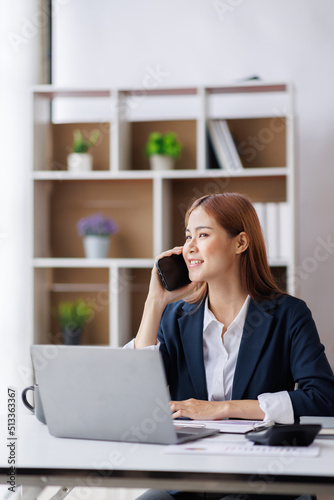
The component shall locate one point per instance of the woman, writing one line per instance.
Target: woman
(235, 346)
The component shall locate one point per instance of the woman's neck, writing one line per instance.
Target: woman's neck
(226, 302)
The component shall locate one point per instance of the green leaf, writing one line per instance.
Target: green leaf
(164, 144)
(73, 314)
(82, 145)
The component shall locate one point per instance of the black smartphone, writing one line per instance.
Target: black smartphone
(173, 271)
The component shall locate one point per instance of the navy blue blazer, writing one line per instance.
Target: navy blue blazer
(280, 347)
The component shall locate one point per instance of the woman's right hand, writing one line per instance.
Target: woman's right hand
(157, 299)
(158, 292)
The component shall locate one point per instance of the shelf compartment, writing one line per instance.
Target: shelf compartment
(159, 104)
(248, 100)
(96, 330)
(261, 143)
(62, 140)
(132, 299)
(75, 284)
(184, 191)
(84, 109)
(185, 131)
(128, 202)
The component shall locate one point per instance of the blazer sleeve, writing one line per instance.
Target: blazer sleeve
(181, 347)
(163, 347)
(314, 394)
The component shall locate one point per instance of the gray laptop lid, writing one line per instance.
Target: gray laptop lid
(104, 393)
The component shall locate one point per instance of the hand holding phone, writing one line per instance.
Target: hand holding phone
(173, 271)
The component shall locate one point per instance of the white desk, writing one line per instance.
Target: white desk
(43, 460)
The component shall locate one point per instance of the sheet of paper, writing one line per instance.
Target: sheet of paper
(208, 447)
(228, 425)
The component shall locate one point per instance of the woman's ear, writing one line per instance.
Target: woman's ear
(242, 242)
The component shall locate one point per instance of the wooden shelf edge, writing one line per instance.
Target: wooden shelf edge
(278, 262)
(167, 174)
(228, 87)
(39, 263)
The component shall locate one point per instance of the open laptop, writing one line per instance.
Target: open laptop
(107, 393)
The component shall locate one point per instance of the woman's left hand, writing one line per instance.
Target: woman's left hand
(216, 410)
(197, 409)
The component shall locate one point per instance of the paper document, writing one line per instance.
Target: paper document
(229, 426)
(211, 446)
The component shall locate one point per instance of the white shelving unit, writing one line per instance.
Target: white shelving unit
(148, 205)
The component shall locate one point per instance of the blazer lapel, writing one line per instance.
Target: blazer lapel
(256, 329)
(191, 331)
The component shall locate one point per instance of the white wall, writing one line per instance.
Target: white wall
(194, 42)
(20, 63)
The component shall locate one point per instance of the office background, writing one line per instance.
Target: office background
(113, 43)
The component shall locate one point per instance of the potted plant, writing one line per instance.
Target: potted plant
(96, 231)
(162, 150)
(81, 159)
(72, 316)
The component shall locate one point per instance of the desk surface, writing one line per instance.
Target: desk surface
(41, 459)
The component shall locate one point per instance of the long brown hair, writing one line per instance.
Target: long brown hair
(235, 213)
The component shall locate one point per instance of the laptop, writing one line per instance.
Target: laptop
(107, 393)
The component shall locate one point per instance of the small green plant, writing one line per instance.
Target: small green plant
(82, 145)
(163, 144)
(73, 315)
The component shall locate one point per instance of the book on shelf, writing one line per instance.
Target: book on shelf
(260, 209)
(273, 230)
(285, 230)
(235, 162)
(275, 220)
(223, 145)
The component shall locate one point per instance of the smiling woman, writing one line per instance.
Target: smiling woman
(233, 344)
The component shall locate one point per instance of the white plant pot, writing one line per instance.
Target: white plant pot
(161, 162)
(80, 162)
(96, 247)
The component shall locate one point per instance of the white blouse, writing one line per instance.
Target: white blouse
(220, 359)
